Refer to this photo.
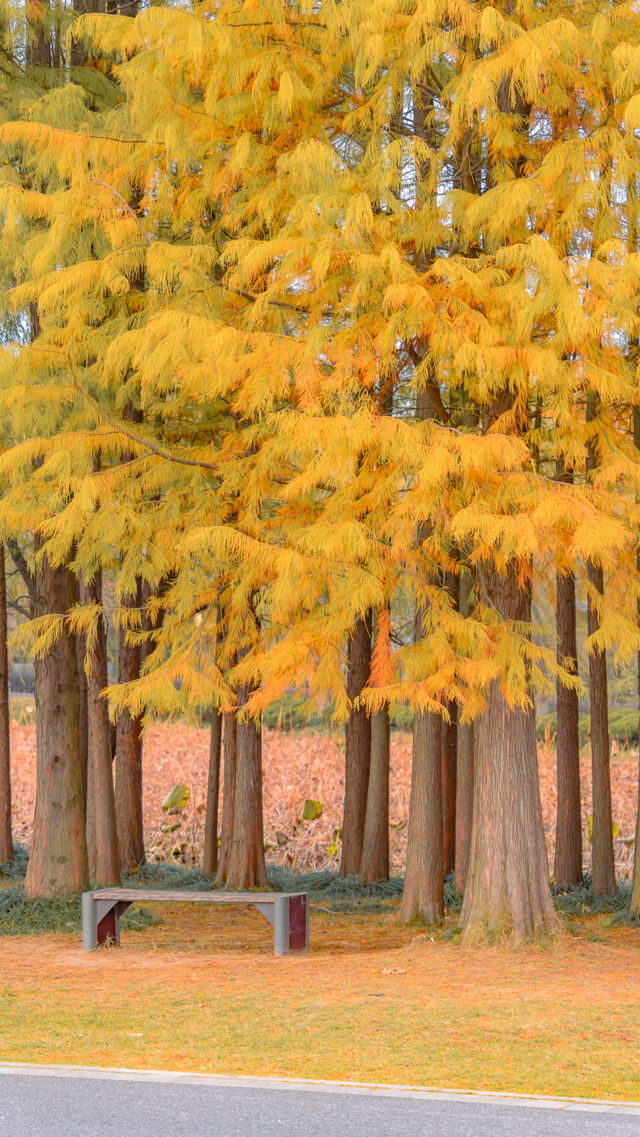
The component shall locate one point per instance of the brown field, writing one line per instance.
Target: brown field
(296, 767)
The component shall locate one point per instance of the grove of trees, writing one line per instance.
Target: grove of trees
(320, 336)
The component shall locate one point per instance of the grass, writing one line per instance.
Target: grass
(373, 1001)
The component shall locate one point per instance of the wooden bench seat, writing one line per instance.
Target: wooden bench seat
(287, 912)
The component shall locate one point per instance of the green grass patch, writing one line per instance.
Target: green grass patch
(623, 726)
(20, 916)
(336, 893)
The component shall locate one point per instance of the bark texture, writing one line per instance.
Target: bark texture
(634, 905)
(422, 898)
(247, 866)
(507, 889)
(568, 856)
(6, 841)
(602, 860)
(357, 749)
(375, 846)
(129, 762)
(83, 704)
(464, 802)
(449, 760)
(58, 861)
(449, 752)
(210, 851)
(464, 765)
(603, 865)
(230, 751)
(102, 833)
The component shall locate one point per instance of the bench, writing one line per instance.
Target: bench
(287, 912)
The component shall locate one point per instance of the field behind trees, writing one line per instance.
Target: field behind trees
(306, 765)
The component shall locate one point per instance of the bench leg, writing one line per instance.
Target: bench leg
(101, 920)
(291, 931)
(89, 928)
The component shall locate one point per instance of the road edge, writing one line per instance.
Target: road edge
(309, 1085)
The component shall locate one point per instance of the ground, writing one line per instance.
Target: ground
(373, 1001)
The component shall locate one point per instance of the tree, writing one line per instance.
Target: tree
(6, 842)
(102, 833)
(464, 768)
(128, 760)
(305, 237)
(568, 857)
(210, 852)
(357, 748)
(602, 862)
(58, 860)
(246, 862)
(230, 728)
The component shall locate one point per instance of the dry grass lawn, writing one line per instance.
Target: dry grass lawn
(373, 1001)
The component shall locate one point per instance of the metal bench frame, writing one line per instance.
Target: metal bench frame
(287, 912)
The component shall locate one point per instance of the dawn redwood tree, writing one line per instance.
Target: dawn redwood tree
(602, 860)
(230, 742)
(247, 867)
(357, 753)
(210, 851)
(634, 904)
(128, 761)
(568, 855)
(58, 860)
(507, 886)
(102, 833)
(83, 699)
(449, 756)
(422, 897)
(323, 243)
(464, 767)
(6, 842)
(374, 864)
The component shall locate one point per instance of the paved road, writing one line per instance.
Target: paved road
(51, 1104)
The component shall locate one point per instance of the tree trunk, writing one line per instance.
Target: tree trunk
(449, 756)
(507, 890)
(247, 867)
(230, 744)
(634, 906)
(357, 749)
(464, 802)
(568, 858)
(58, 861)
(210, 852)
(129, 762)
(422, 898)
(83, 708)
(603, 874)
(102, 832)
(464, 766)
(375, 847)
(602, 866)
(6, 842)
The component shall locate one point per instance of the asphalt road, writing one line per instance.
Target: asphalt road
(96, 1105)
